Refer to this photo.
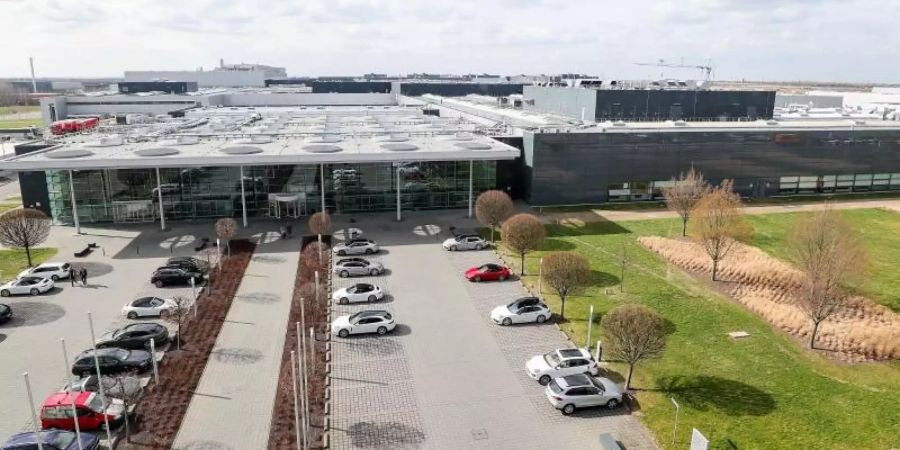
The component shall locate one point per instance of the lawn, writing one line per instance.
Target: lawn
(763, 392)
(4, 110)
(13, 261)
(22, 123)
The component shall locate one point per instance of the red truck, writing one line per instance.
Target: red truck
(73, 125)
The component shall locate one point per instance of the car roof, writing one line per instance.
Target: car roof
(28, 437)
(372, 313)
(100, 352)
(50, 263)
(578, 379)
(568, 353)
(143, 326)
(346, 260)
(66, 398)
(360, 240)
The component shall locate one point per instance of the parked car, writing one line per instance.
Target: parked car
(51, 440)
(136, 336)
(112, 361)
(351, 267)
(582, 391)
(465, 242)
(363, 322)
(56, 411)
(357, 246)
(187, 263)
(5, 313)
(487, 272)
(26, 286)
(521, 312)
(148, 307)
(90, 383)
(174, 275)
(560, 363)
(52, 270)
(360, 292)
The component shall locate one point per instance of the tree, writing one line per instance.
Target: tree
(24, 228)
(311, 261)
(492, 208)
(523, 233)
(225, 229)
(684, 194)
(633, 334)
(319, 224)
(177, 315)
(567, 273)
(720, 223)
(124, 386)
(829, 254)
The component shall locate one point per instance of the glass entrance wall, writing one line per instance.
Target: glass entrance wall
(132, 195)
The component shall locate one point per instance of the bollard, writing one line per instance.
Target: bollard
(153, 360)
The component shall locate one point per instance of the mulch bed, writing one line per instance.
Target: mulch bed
(282, 434)
(165, 404)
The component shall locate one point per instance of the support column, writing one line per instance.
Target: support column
(471, 166)
(322, 178)
(74, 206)
(162, 214)
(243, 199)
(399, 217)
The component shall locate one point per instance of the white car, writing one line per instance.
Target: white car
(360, 292)
(363, 322)
(465, 242)
(356, 247)
(148, 306)
(560, 363)
(26, 286)
(520, 312)
(52, 270)
(581, 391)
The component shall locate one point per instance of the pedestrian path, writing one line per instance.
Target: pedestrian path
(232, 406)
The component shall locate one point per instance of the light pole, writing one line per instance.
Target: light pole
(303, 394)
(153, 360)
(398, 194)
(159, 193)
(541, 279)
(74, 206)
(675, 428)
(296, 400)
(100, 380)
(74, 409)
(34, 419)
(590, 327)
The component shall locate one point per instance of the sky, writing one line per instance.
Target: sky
(827, 40)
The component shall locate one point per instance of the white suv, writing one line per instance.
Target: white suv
(560, 363)
(52, 270)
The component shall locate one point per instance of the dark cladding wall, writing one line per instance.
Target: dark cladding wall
(582, 168)
(351, 87)
(676, 104)
(33, 185)
(171, 87)
(460, 89)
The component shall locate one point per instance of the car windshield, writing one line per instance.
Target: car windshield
(597, 384)
(552, 359)
(555, 387)
(96, 403)
(119, 354)
(512, 307)
(59, 440)
(485, 268)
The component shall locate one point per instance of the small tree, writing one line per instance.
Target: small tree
(492, 208)
(319, 224)
(684, 194)
(312, 260)
(523, 233)
(720, 223)
(24, 228)
(124, 386)
(177, 315)
(567, 273)
(827, 250)
(225, 229)
(633, 333)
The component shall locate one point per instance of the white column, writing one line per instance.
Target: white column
(322, 178)
(68, 377)
(162, 214)
(471, 166)
(74, 206)
(243, 199)
(399, 218)
(99, 378)
(35, 423)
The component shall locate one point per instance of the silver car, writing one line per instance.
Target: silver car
(583, 391)
(465, 242)
(356, 247)
(356, 267)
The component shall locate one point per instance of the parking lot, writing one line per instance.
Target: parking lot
(448, 377)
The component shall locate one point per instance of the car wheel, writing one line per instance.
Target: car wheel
(507, 321)
(382, 330)
(342, 253)
(502, 278)
(612, 404)
(452, 248)
(476, 279)
(544, 380)
(369, 251)
(344, 274)
(34, 291)
(55, 278)
(372, 298)
(478, 246)
(568, 409)
(158, 283)
(540, 319)
(4, 293)
(343, 333)
(344, 300)
(132, 315)
(373, 272)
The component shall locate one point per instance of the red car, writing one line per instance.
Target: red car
(57, 411)
(487, 272)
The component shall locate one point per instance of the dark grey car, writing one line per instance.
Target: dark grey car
(355, 267)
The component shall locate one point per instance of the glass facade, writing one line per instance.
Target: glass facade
(132, 195)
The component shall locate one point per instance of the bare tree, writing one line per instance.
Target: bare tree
(523, 233)
(684, 195)
(720, 223)
(827, 250)
(24, 228)
(567, 273)
(225, 229)
(492, 208)
(633, 333)
(177, 315)
(124, 386)
(320, 223)
(314, 258)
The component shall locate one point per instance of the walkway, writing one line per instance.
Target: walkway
(232, 407)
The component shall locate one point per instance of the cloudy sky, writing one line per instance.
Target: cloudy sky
(839, 40)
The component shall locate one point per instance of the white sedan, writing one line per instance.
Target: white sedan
(363, 322)
(52, 270)
(26, 286)
(361, 292)
(516, 313)
(465, 242)
(148, 306)
(356, 247)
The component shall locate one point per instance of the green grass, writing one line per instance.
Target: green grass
(4, 110)
(13, 261)
(763, 392)
(21, 123)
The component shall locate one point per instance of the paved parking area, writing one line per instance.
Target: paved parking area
(448, 377)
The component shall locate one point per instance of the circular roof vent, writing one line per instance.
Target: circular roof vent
(400, 147)
(240, 150)
(69, 154)
(157, 151)
(322, 148)
(474, 145)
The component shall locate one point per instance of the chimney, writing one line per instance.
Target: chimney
(221, 63)
(33, 81)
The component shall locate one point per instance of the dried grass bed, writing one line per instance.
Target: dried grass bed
(860, 331)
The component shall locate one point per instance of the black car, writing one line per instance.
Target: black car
(523, 302)
(51, 440)
(136, 336)
(187, 263)
(174, 275)
(112, 360)
(5, 313)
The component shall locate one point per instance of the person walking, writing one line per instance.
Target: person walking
(72, 275)
(83, 273)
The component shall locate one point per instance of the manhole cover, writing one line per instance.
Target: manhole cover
(479, 434)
